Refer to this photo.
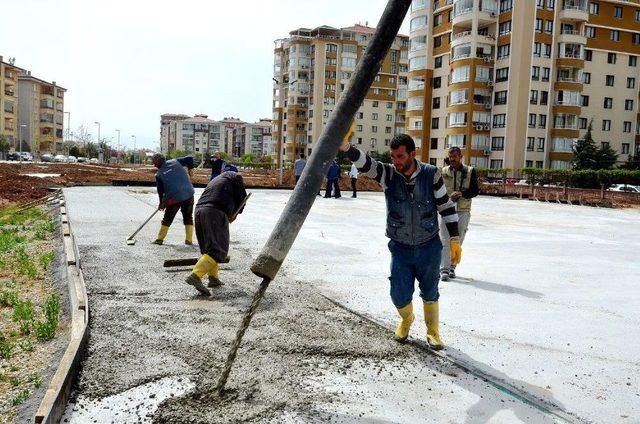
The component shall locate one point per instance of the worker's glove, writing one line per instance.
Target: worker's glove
(456, 251)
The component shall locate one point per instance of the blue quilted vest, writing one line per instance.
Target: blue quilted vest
(412, 219)
(177, 185)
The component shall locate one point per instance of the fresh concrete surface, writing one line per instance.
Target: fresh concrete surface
(548, 302)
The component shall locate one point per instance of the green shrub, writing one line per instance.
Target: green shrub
(23, 314)
(6, 347)
(8, 297)
(46, 329)
(9, 239)
(25, 264)
(21, 397)
(46, 259)
(36, 380)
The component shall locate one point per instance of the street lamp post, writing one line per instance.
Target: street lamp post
(22, 126)
(135, 157)
(118, 152)
(68, 126)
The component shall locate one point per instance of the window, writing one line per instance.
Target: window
(546, 73)
(604, 144)
(614, 35)
(332, 61)
(633, 61)
(628, 104)
(544, 98)
(548, 26)
(436, 103)
(588, 55)
(497, 143)
(586, 78)
(539, 164)
(542, 121)
(360, 115)
(483, 73)
(496, 164)
(460, 74)
(502, 74)
(374, 128)
(500, 98)
(535, 73)
(631, 82)
(626, 126)
(374, 116)
(349, 48)
(359, 128)
(540, 144)
(434, 144)
(375, 103)
(582, 123)
(539, 4)
(506, 5)
(551, 4)
(348, 62)
(437, 62)
(533, 97)
(504, 28)
(435, 123)
(537, 49)
(390, 104)
(638, 15)
(606, 125)
(437, 20)
(609, 80)
(612, 58)
(436, 82)
(608, 103)
(459, 140)
(547, 50)
(625, 148)
(499, 120)
(531, 141)
(457, 119)
(590, 32)
(635, 38)
(418, 62)
(585, 101)
(532, 120)
(617, 12)
(528, 164)
(389, 117)
(504, 51)
(594, 8)
(538, 25)
(331, 48)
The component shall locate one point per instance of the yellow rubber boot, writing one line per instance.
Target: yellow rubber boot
(162, 234)
(205, 265)
(402, 331)
(431, 318)
(188, 234)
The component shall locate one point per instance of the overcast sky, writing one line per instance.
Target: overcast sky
(124, 63)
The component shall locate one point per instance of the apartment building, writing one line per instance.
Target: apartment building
(9, 100)
(197, 134)
(312, 67)
(40, 114)
(515, 83)
(252, 138)
(230, 124)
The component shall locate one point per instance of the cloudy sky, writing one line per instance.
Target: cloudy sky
(125, 62)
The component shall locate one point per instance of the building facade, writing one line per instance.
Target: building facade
(40, 114)
(9, 101)
(253, 138)
(515, 83)
(311, 70)
(198, 134)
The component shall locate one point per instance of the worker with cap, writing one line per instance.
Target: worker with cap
(175, 192)
(218, 205)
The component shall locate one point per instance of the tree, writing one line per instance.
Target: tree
(606, 157)
(632, 164)
(74, 151)
(585, 151)
(4, 146)
(82, 135)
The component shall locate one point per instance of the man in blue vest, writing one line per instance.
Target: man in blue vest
(415, 193)
(175, 192)
(333, 181)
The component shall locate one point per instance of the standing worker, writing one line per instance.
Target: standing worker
(353, 173)
(176, 193)
(415, 194)
(215, 210)
(333, 180)
(298, 166)
(216, 165)
(462, 186)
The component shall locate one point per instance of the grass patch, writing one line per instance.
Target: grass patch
(46, 329)
(21, 397)
(43, 228)
(36, 380)
(23, 314)
(8, 297)
(6, 347)
(11, 217)
(46, 259)
(9, 239)
(25, 264)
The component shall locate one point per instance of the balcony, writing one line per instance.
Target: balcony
(9, 91)
(441, 4)
(575, 11)
(46, 104)
(572, 36)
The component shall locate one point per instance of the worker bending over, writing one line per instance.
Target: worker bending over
(176, 193)
(217, 207)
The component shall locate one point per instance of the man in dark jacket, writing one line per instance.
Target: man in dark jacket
(333, 180)
(216, 165)
(219, 204)
(175, 192)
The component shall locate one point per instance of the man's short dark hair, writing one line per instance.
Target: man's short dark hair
(453, 149)
(301, 155)
(158, 158)
(403, 140)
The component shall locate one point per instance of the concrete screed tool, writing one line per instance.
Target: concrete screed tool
(130, 240)
(286, 230)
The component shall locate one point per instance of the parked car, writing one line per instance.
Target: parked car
(522, 183)
(82, 159)
(13, 156)
(46, 157)
(60, 158)
(93, 160)
(625, 187)
(26, 156)
(72, 159)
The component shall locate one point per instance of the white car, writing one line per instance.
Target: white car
(94, 160)
(625, 187)
(521, 183)
(60, 158)
(72, 159)
(26, 156)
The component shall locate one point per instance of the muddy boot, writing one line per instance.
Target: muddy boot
(188, 236)
(214, 282)
(402, 331)
(158, 242)
(196, 282)
(162, 234)
(432, 319)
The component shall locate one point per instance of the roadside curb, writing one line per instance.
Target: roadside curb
(55, 400)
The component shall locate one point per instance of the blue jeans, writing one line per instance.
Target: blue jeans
(410, 263)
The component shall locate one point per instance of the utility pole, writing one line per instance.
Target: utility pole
(118, 152)
(135, 153)
(21, 139)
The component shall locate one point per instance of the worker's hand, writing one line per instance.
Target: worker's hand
(161, 207)
(456, 251)
(345, 145)
(455, 196)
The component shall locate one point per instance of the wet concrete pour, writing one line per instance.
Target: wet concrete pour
(302, 359)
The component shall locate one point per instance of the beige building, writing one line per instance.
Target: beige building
(41, 112)
(253, 138)
(515, 83)
(9, 101)
(311, 70)
(197, 134)
(230, 124)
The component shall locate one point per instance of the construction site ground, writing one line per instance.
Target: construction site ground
(547, 303)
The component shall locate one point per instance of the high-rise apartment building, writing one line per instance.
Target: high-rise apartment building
(40, 114)
(311, 70)
(252, 138)
(192, 135)
(515, 83)
(9, 101)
